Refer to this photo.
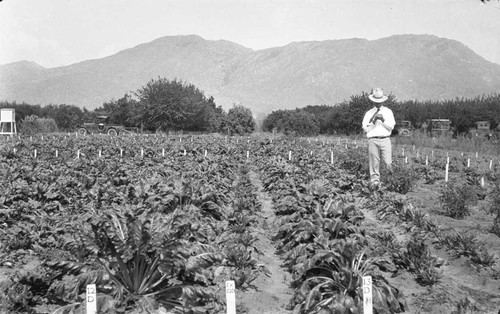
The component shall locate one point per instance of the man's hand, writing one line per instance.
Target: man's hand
(379, 116)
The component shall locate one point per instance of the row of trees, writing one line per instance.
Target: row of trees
(346, 117)
(160, 105)
(163, 105)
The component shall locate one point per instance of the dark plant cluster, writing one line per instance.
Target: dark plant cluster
(457, 198)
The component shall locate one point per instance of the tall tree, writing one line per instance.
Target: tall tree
(171, 105)
(239, 120)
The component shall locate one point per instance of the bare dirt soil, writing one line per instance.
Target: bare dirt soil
(271, 293)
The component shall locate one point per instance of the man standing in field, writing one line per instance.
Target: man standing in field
(378, 124)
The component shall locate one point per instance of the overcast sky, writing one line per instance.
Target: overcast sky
(61, 32)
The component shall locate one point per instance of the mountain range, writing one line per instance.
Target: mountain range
(418, 67)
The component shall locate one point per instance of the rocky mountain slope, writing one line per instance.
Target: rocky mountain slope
(422, 67)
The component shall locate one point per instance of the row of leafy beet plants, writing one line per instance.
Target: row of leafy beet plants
(321, 238)
(152, 234)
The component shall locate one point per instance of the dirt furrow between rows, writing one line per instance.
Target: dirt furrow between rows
(271, 293)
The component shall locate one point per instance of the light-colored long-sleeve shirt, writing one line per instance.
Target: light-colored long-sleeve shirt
(379, 128)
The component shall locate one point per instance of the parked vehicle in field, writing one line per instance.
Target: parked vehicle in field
(103, 126)
(404, 128)
(483, 129)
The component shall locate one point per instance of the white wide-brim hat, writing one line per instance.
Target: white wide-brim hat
(377, 95)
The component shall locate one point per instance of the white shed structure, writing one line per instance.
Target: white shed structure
(8, 121)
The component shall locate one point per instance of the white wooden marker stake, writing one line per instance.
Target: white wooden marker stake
(57, 153)
(468, 162)
(248, 154)
(163, 152)
(230, 297)
(426, 160)
(78, 154)
(476, 154)
(142, 152)
(482, 182)
(403, 152)
(406, 159)
(446, 173)
(331, 157)
(205, 153)
(91, 299)
(34, 154)
(491, 163)
(14, 150)
(367, 295)
(447, 160)
(100, 153)
(289, 155)
(184, 152)
(121, 152)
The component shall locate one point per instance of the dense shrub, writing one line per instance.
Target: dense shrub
(457, 197)
(291, 122)
(34, 125)
(401, 179)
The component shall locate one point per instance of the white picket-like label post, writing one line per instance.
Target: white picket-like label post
(230, 297)
(403, 153)
(142, 152)
(468, 162)
(289, 155)
(91, 299)
(77, 154)
(121, 152)
(163, 152)
(57, 153)
(184, 152)
(34, 154)
(100, 153)
(248, 154)
(491, 163)
(206, 153)
(477, 155)
(482, 182)
(426, 160)
(367, 295)
(446, 173)
(406, 159)
(331, 157)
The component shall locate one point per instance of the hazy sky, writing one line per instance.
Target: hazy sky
(61, 32)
